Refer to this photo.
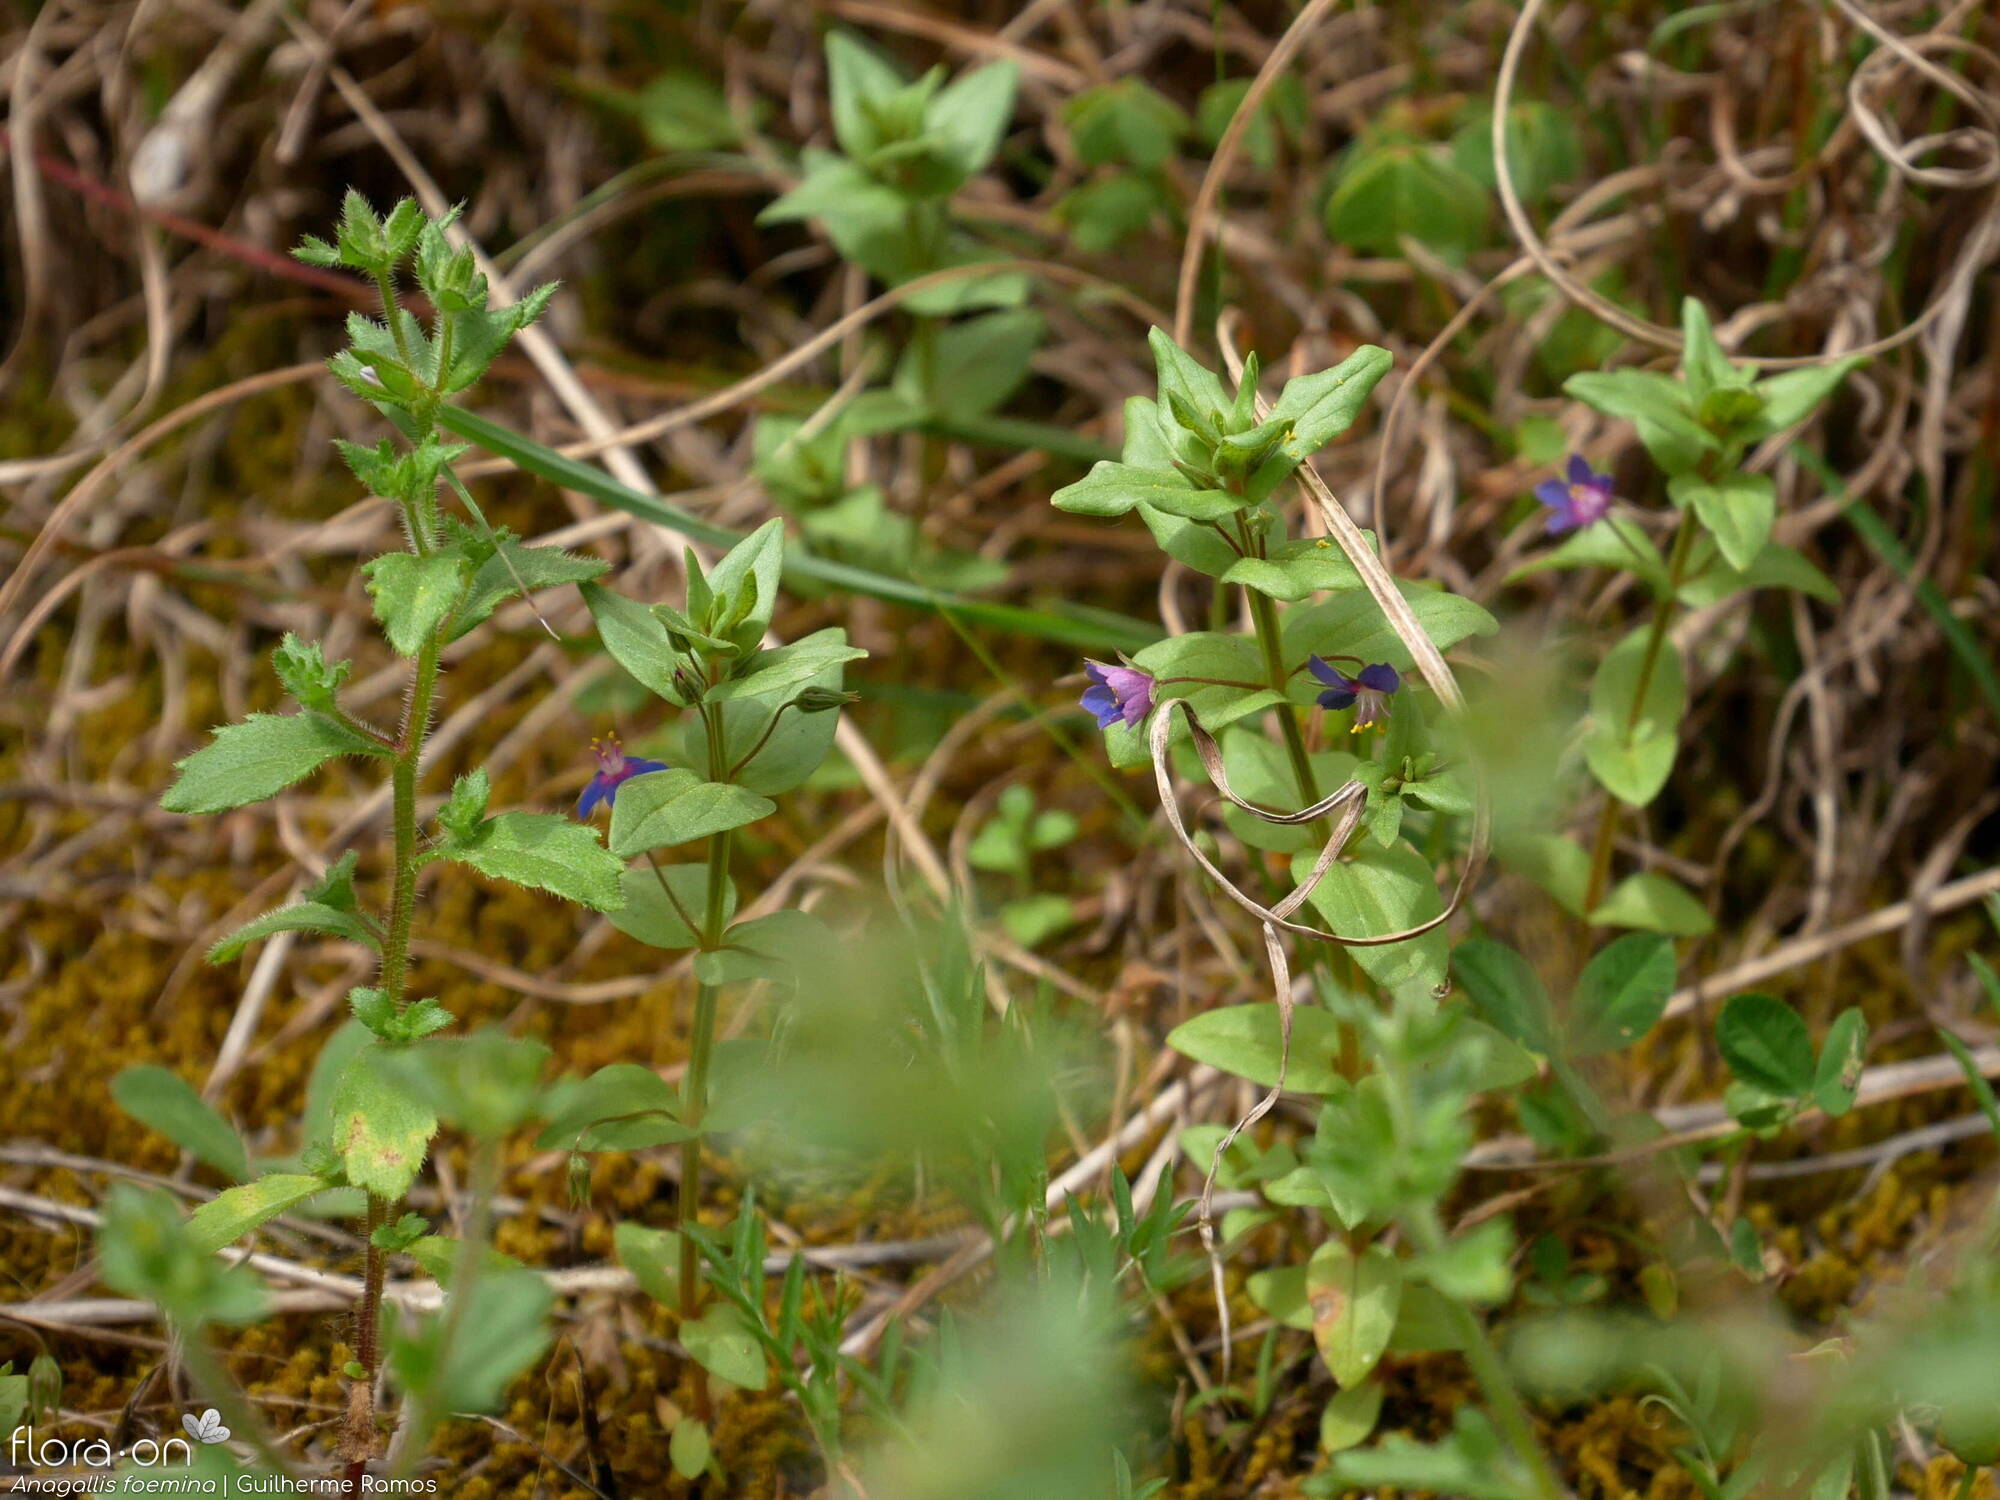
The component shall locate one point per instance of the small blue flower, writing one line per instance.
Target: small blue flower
(1117, 693)
(1583, 501)
(614, 769)
(1366, 692)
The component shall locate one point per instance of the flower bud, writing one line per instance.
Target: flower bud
(819, 700)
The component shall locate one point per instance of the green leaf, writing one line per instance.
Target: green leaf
(1766, 1044)
(1496, 1063)
(1656, 404)
(1243, 1040)
(465, 809)
(754, 564)
(1632, 752)
(1543, 151)
(1703, 364)
(13, 1398)
(780, 945)
(1653, 902)
(1621, 993)
(168, 1103)
(766, 758)
(228, 1216)
(1632, 770)
(653, 918)
(1282, 1294)
(796, 468)
(688, 1448)
(547, 852)
(969, 115)
(487, 1085)
(1423, 1323)
(620, 1107)
(439, 1256)
(1381, 891)
(1639, 395)
(653, 1256)
(999, 847)
(1283, 108)
(1558, 865)
(300, 916)
(1840, 1061)
(1775, 566)
(336, 887)
(535, 567)
(323, 1082)
(1112, 489)
(414, 594)
(144, 1250)
(1183, 378)
(1615, 542)
(302, 667)
(1792, 395)
(1103, 214)
(1202, 547)
(682, 110)
(1350, 1417)
(1033, 920)
(259, 758)
(1475, 1267)
(722, 1343)
(1354, 1299)
(498, 1334)
(1297, 570)
(636, 640)
(381, 1126)
(1386, 189)
(1507, 993)
(1261, 771)
(1352, 622)
(667, 808)
(1322, 406)
(973, 366)
(1126, 122)
(857, 76)
(775, 674)
(1737, 509)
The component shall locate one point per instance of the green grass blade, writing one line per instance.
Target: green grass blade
(1081, 628)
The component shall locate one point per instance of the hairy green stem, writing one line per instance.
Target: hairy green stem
(394, 971)
(357, 1441)
(403, 786)
(1663, 614)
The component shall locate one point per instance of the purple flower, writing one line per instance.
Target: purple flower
(1583, 501)
(1366, 692)
(1117, 693)
(614, 768)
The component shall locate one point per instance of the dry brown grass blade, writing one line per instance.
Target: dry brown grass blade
(1202, 216)
(92, 484)
(1978, 249)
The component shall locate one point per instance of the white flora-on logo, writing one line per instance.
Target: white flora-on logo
(206, 1428)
